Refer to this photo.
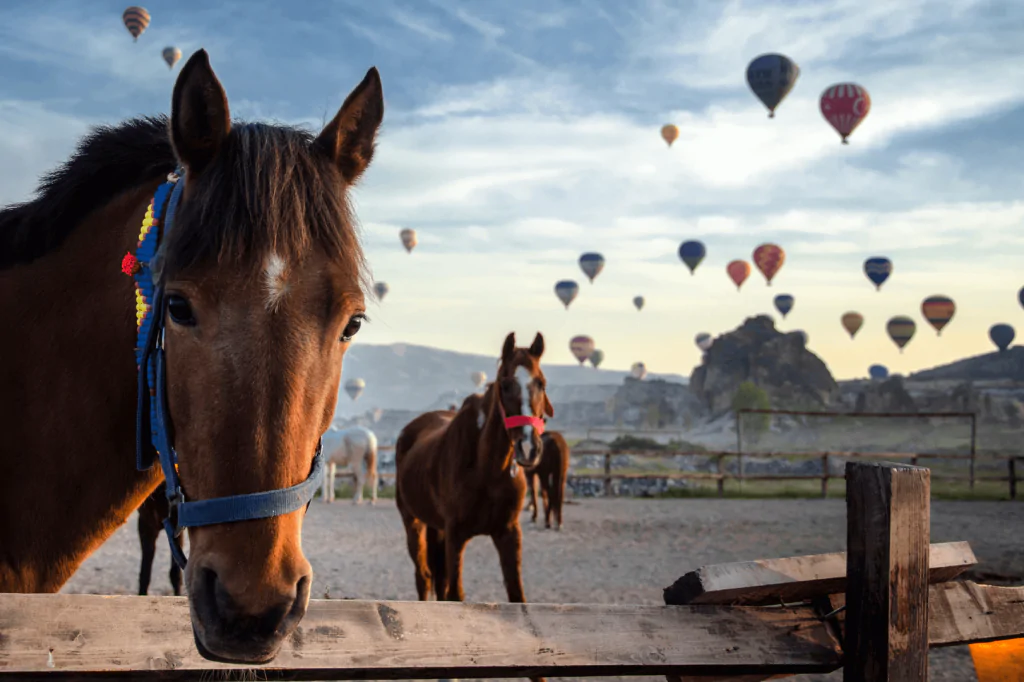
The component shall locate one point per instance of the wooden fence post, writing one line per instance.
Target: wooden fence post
(721, 474)
(887, 535)
(824, 476)
(608, 474)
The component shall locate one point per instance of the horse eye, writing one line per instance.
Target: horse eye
(180, 310)
(353, 327)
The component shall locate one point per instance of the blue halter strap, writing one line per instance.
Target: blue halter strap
(153, 417)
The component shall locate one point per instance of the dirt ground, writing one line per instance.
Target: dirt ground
(611, 550)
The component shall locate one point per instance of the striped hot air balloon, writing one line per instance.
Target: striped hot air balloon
(171, 55)
(591, 264)
(844, 106)
(136, 19)
(938, 310)
(582, 347)
(878, 270)
(901, 329)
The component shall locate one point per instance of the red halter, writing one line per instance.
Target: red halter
(520, 419)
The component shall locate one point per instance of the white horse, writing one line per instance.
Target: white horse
(353, 447)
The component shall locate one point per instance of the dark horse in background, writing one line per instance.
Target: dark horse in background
(264, 280)
(151, 523)
(550, 473)
(460, 474)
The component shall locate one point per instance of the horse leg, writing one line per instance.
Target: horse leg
(557, 497)
(416, 541)
(371, 469)
(360, 481)
(531, 480)
(509, 543)
(148, 533)
(175, 573)
(436, 560)
(454, 546)
(547, 488)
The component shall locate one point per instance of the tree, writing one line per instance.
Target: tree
(750, 396)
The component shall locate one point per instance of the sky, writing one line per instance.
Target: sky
(518, 135)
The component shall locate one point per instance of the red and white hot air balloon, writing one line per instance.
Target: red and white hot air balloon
(844, 106)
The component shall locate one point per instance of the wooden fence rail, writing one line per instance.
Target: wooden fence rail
(874, 611)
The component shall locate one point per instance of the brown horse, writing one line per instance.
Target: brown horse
(264, 282)
(460, 474)
(551, 472)
(151, 523)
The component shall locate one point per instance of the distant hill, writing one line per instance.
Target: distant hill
(1007, 365)
(404, 376)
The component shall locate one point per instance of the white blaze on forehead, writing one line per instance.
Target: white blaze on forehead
(524, 378)
(274, 280)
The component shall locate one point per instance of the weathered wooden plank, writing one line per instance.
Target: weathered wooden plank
(887, 517)
(118, 637)
(794, 579)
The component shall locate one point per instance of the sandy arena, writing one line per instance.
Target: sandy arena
(611, 550)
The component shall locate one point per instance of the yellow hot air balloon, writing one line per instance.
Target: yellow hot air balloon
(171, 55)
(136, 19)
(669, 133)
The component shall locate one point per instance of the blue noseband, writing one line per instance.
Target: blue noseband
(153, 418)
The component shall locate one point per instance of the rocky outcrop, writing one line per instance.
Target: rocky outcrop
(779, 363)
(1005, 366)
(884, 396)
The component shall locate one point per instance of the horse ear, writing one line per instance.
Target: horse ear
(537, 347)
(508, 350)
(200, 120)
(348, 140)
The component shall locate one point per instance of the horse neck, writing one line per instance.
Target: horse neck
(495, 452)
(68, 411)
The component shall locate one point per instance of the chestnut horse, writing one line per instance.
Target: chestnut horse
(261, 280)
(151, 522)
(551, 472)
(460, 474)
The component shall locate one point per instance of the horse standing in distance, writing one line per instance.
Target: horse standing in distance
(551, 472)
(356, 447)
(151, 523)
(460, 474)
(261, 281)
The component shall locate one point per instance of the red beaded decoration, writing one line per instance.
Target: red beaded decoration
(129, 264)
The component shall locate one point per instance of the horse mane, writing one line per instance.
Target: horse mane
(107, 162)
(266, 191)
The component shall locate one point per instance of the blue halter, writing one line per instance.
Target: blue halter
(153, 418)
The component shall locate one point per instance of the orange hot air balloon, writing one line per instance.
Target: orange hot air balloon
(938, 310)
(669, 133)
(769, 259)
(738, 271)
(852, 323)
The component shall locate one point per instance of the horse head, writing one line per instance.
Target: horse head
(522, 398)
(263, 283)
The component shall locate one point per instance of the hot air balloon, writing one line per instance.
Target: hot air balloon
(638, 370)
(638, 301)
(769, 258)
(878, 270)
(596, 358)
(938, 310)
(852, 322)
(771, 77)
(669, 133)
(171, 56)
(844, 106)
(381, 289)
(1001, 335)
(692, 253)
(703, 340)
(566, 291)
(136, 19)
(878, 372)
(591, 264)
(738, 271)
(901, 329)
(1020, 296)
(581, 347)
(408, 237)
(478, 378)
(784, 303)
(354, 388)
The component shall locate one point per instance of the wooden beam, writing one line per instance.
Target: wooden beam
(151, 637)
(795, 579)
(887, 517)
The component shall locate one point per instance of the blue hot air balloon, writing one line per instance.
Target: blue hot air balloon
(1020, 296)
(771, 77)
(784, 303)
(692, 253)
(1001, 335)
(878, 270)
(566, 291)
(878, 372)
(591, 264)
